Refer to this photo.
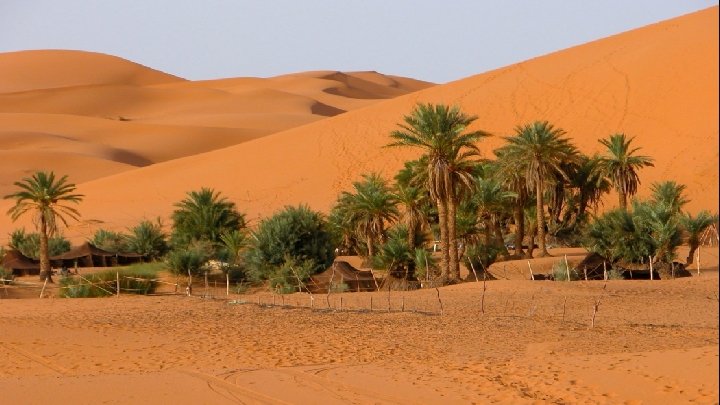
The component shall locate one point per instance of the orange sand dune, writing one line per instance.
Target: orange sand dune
(123, 115)
(43, 69)
(658, 83)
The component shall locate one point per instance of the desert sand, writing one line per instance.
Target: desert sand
(135, 140)
(652, 342)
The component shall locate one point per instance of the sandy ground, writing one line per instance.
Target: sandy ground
(518, 342)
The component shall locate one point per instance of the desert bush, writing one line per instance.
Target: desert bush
(204, 216)
(560, 272)
(295, 232)
(133, 280)
(182, 261)
(147, 239)
(291, 276)
(110, 241)
(424, 264)
(481, 256)
(6, 277)
(29, 244)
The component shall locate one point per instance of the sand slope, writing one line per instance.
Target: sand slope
(658, 83)
(90, 115)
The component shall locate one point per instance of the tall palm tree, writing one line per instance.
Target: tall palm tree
(539, 150)
(441, 132)
(45, 196)
(509, 174)
(368, 209)
(203, 216)
(620, 165)
(492, 202)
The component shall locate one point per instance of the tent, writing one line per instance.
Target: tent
(341, 276)
(88, 255)
(20, 265)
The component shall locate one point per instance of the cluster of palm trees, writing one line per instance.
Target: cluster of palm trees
(538, 183)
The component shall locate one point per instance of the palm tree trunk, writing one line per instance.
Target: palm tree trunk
(454, 263)
(45, 270)
(623, 200)
(540, 219)
(499, 239)
(444, 252)
(691, 254)
(371, 250)
(519, 228)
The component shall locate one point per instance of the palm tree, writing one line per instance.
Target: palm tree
(621, 165)
(694, 227)
(45, 196)
(148, 239)
(492, 200)
(441, 132)
(203, 216)
(513, 179)
(368, 209)
(538, 151)
(670, 194)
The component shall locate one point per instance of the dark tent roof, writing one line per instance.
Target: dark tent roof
(16, 260)
(88, 249)
(343, 273)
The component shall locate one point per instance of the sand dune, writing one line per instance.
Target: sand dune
(121, 115)
(658, 83)
(32, 70)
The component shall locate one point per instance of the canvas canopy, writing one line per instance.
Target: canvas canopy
(341, 276)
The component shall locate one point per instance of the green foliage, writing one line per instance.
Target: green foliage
(6, 277)
(291, 276)
(29, 244)
(621, 165)
(147, 239)
(295, 233)
(652, 229)
(367, 210)
(133, 280)
(618, 235)
(204, 216)
(480, 256)
(424, 264)
(191, 259)
(110, 241)
(395, 254)
(560, 272)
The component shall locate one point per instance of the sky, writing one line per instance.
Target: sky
(437, 41)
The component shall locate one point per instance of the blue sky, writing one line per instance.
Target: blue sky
(438, 41)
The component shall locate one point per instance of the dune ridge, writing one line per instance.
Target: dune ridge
(90, 115)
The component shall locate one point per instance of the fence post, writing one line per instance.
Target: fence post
(117, 283)
(227, 283)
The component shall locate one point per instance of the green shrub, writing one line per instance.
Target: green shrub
(29, 244)
(560, 272)
(180, 261)
(295, 232)
(291, 276)
(133, 280)
(6, 277)
(147, 239)
(110, 241)
(480, 256)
